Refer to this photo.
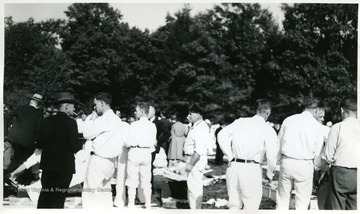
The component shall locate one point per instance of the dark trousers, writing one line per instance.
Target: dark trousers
(153, 155)
(343, 189)
(219, 155)
(323, 189)
(54, 188)
(21, 153)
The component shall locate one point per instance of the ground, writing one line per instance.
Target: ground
(216, 190)
(162, 192)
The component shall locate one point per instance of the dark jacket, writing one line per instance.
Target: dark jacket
(163, 134)
(27, 120)
(58, 139)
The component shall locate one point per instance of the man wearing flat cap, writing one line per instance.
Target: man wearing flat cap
(58, 139)
(22, 134)
(195, 151)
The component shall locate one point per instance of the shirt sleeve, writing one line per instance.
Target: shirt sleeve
(93, 128)
(271, 149)
(331, 145)
(280, 140)
(33, 159)
(42, 135)
(225, 137)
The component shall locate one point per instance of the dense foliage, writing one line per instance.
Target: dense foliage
(223, 58)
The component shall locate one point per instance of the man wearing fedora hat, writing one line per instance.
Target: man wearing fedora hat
(195, 151)
(22, 135)
(58, 139)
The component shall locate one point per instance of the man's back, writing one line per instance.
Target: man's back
(142, 133)
(58, 137)
(24, 128)
(299, 136)
(344, 139)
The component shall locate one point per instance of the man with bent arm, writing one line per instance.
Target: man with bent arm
(104, 128)
(244, 142)
(195, 151)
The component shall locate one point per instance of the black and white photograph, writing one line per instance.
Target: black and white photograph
(179, 105)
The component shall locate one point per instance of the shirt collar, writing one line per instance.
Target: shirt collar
(257, 117)
(350, 118)
(108, 112)
(197, 123)
(144, 118)
(307, 113)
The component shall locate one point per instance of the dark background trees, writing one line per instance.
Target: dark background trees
(223, 58)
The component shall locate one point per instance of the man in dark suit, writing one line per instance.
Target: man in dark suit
(58, 139)
(163, 134)
(22, 135)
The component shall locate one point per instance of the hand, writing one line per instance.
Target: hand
(188, 168)
(268, 179)
(229, 164)
(93, 115)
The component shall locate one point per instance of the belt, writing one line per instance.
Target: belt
(145, 147)
(296, 158)
(243, 161)
(109, 158)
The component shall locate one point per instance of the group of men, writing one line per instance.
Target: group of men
(110, 142)
(300, 147)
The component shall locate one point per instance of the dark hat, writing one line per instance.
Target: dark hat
(195, 108)
(64, 97)
(37, 97)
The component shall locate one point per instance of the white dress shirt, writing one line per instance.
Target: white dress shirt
(248, 138)
(107, 133)
(142, 133)
(342, 146)
(197, 139)
(300, 137)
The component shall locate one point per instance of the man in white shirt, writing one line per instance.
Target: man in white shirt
(300, 143)
(141, 141)
(244, 142)
(195, 150)
(341, 152)
(106, 132)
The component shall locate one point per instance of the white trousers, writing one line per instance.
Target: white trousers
(244, 185)
(297, 173)
(139, 170)
(97, 185)
(195, 183)
(120, 199)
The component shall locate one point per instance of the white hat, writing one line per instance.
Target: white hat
(37, 97)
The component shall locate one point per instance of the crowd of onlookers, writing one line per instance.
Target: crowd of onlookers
(74, 147)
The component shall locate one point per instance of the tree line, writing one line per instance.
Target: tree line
(223, 58)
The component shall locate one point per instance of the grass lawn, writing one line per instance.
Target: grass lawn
(216, 190)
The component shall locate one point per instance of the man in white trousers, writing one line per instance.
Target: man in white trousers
(300, 144)
(244, 142)
(106, 131)
(195, 150)
(120, 199)
(141, 141)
